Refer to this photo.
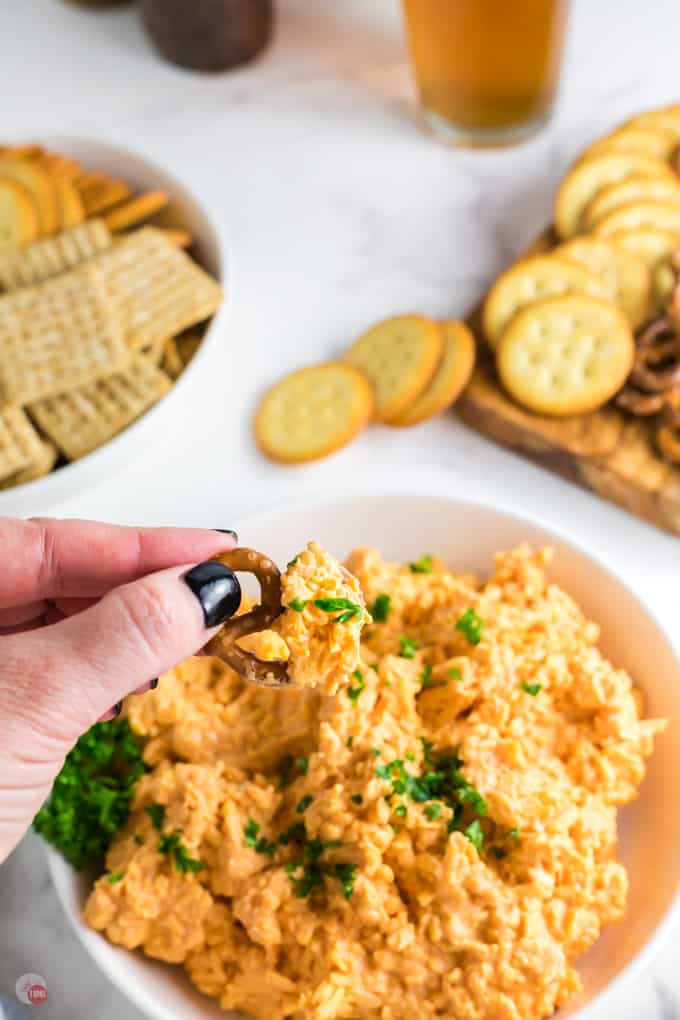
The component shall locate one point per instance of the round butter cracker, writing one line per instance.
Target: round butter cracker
(566, 355)
(589, 175)
(449, 380)
(634, 189)
(529, 279)
(633, 215)
(667, 118)
(18, 217)
(399, 356)
(39, 185)
(313, 412)
(626, 276)
(650, 140)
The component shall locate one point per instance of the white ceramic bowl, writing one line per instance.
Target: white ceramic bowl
(185, 210)
(466, 535)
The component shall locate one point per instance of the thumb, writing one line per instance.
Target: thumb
(61, 679)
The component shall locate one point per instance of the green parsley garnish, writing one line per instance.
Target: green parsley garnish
(90, 799)
(475, 834)
(115, 876)
(351, 609)
(410, 756)
(298, 605)
(440, 784)
(531, 689)
(407, 648)
(291, 563)
(471, 626)
(170, 843)
(376, 752)
(514, 833)
(455, 673)
(354, 691)
(380, 609)
(421, 566)
(357, 798)
(289, 763)
(156, 813)
(304, 803)
(400, 810)
(258, 843)
(350, 742)
(427, 679)
(314, 871)
(295, 833)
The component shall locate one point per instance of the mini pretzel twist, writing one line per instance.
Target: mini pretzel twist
(261, 617)
(657, 359)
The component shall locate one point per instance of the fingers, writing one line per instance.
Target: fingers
(66, 676)
(50, 559)
(14, 616)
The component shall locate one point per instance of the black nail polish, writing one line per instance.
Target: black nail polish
(117, 708)
(227, 531)
(217, 589)
(154, 684)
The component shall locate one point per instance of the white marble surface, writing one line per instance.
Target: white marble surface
(338, 211)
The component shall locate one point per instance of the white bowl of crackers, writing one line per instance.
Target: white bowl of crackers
(110, 286)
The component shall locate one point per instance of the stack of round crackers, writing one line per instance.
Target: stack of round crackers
(400, 372)
(563, 323)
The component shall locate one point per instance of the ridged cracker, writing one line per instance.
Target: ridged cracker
(399, 356)
(586, 177)
(531, 278)
(157, 287)
(86, 417)
(626, 276)
(23, 267)
(634, 215)
(566, 355)
(450, 379)
(634, 189)
(41, 466)
(313, 412)
(20, 444)
(647, 139)
(57, 335)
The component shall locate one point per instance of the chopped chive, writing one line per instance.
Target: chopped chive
(357, 798)
(298, 604)
(115, 876)
(531, 689)
(421, 566)
(407, 648)
(380, 609)
(304, 803)
(471, 626)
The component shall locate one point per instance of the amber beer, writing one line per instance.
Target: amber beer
(486, 70)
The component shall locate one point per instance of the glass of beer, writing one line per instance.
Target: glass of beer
(486, 70)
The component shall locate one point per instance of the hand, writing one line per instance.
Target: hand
(89, 613)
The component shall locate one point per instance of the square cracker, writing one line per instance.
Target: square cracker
(23, 267)
(158, 288)
(43, 464)
(57, 335)
(87, 417)
(20, 444)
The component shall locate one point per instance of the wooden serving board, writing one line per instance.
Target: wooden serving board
(608, 451)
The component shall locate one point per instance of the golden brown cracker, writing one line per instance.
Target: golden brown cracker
(399, 356)
(88, 416)
(636, 215)
(450, 378)
(313, 412)
(135, 210)
(22, 267)
(588, 176)
(18, 217)
(45, 460)
(566, 355)
(159, 289)
(99, 193)
(57, 335)
(626, 276)
(39, 185)
(649, 140)
(20, 444)
(633, 189)
(531, 278)
(171, 362)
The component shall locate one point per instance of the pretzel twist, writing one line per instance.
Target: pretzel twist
(261, 617)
